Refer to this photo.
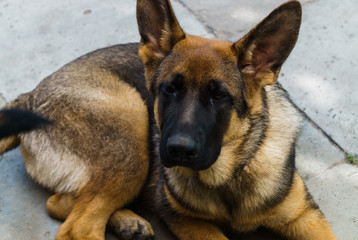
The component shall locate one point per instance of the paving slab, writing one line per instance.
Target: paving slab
(332, 182)
(336, 192)
(22, 203)
(321, 73)
(2, 101)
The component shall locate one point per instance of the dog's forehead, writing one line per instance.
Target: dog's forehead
(201, 60)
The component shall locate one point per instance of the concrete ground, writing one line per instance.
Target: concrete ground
(38, 37)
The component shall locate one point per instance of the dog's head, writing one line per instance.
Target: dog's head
(201, 86)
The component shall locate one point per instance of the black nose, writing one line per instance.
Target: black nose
(182, 148)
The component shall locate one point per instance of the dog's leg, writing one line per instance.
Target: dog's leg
(125, 223)
(298, 216)
(92, 208)
(128, 225)
(87, 220)
(186, 228)
(60, 205)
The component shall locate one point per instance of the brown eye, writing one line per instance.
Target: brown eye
(219, 95)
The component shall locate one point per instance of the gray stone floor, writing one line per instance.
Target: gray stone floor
(38, 37)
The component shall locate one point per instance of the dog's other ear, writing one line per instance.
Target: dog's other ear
(159, 31)
(264, 49)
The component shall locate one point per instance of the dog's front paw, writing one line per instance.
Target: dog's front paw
(129, 226)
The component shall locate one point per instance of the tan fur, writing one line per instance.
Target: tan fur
(186, 228)
(68, 172)
(266, 166)
(9, 143)
(60, 205)
(190, 227)
(295, 217)
(182, 210)
(59, 171)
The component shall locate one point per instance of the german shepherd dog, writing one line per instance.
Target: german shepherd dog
(198, 128)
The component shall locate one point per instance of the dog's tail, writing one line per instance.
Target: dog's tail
(14, 120)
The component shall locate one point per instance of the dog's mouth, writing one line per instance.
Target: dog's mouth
(182, 162)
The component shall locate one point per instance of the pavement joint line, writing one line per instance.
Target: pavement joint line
(2, 97)
(351, 174)
(336, 164)
(316, 126)
(207, 27)
(309, 2)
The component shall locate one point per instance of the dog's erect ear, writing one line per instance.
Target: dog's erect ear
(264, 49)
(159, 31)
(158, 25)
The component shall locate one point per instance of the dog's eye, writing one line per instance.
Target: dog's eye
(169, 90)
(219, 95)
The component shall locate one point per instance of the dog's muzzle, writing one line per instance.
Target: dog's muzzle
(182, 149)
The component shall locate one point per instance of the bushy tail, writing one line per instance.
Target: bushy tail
(14, 121)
